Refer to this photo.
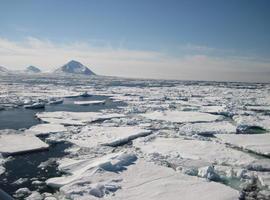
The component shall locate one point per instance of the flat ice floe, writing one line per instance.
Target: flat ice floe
(208, 151)
(75, 118)
(20, 143)
(122, 176)
(258, 143)
(44, 129)
(181, 116)
(207, 128)
(111, 136)
(85, 103)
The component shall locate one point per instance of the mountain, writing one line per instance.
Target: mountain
(32, 69)
(74, 67)
(3, 70)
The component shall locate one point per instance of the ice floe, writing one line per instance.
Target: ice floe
(259, 143)
(86, 103)
(107, 136)
(20, 143)
(182, 116)
(75, 118)
(44, 129)
(207, 151)
(207, 128)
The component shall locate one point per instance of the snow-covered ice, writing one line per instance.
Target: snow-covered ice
(20, 143)
(110, 136)
(258, 143)
(75, 118)
(207, 151)
(182, 116)
(85, 103)
(43, 129)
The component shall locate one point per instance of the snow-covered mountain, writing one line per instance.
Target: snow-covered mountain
(74, 67)
(32, 69)
(3, 70)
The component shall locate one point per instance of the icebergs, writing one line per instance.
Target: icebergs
(20, 143)
(259, 143)
(75, 118)
(109, 136)
(44, 129)
(86, 103)
(207, 128)
(207, 151)
(182, 116)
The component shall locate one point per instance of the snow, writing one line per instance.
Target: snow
(109, 136)
(44, 129)
(32, 69)
(208, 128)
(206, 151)
(182, 116)
(75, 118)
(89, 102)
(258, 143)
(81, 168)
(20, 143)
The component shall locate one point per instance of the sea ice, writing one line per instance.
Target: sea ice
(258, 143)
(85, 103)
(121, 176)
(20, 143)
(44, 129)
(207, 151)
(75, 118)
(207, 128)
(182, 116)
(109, 136)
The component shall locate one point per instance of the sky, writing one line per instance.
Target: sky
(225, 40)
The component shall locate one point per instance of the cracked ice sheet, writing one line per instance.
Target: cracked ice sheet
(206, 151)
(110, 136)
(142, 180)
(75, 118)
(20, 143)
(207, 128)
(258, 143)
(182, 116)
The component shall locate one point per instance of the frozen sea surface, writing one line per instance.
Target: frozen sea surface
(115, 138)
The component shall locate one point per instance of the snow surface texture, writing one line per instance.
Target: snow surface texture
(201, 146)
(133, 180)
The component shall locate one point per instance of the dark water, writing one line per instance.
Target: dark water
(26, 166)
(25, 118)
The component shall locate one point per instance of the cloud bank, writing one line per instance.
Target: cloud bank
(132, 63)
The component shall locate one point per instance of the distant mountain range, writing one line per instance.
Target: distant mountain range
(72, 67)
(32, 69)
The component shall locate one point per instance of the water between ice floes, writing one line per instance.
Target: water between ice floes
(26, 166)
(25, 118)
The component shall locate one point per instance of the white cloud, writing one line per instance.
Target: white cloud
(131, 63)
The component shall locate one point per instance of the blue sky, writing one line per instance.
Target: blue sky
(162, 37)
